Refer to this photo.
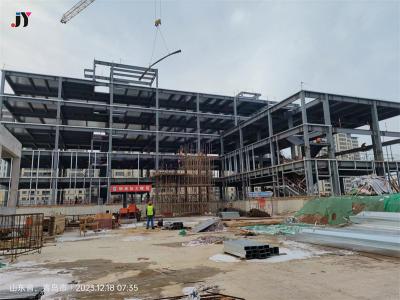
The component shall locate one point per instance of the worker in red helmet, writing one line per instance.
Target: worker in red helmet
(150, 212)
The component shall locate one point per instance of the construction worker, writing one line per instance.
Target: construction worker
(150, 212)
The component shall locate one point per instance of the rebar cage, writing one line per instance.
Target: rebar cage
(20, 234)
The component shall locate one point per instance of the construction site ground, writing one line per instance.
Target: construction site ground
(163, 263)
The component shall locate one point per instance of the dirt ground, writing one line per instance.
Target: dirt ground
(133, 263)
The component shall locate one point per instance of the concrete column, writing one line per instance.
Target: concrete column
(15, 173)
(335, 188)
(198, 122)
(10, 147)
(307, 152)
(157, 126)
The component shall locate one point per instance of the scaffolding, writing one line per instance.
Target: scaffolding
(187, 190)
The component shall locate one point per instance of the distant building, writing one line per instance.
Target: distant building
(343, 142)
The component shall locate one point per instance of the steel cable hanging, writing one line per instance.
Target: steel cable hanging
(157, 24)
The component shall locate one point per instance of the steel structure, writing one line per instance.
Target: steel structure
(117, 119)
(251, 151)
(108, 121)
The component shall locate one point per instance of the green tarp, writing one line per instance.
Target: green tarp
(336, 210)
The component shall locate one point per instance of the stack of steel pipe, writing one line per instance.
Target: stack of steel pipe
(249, 249)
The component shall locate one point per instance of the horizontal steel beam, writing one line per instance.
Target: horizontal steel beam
(352, 99)
(116, 154)
(138, 88)
(263, 113)
(93, 105)
(104, 129)
(365, 132)
(314, 129)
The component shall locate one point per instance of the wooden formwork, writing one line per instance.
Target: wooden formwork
(187, 190)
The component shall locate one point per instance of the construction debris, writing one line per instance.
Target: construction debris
(204, 240)
(371, 185)
(254, 212)
(249, 249)
(173, 225)
(251, 222)
(203, 226)
(229, 215)
(88, 223)
(280, 229)
(54, 225)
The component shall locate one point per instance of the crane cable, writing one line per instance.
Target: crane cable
(157, 25)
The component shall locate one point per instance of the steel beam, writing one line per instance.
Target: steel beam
(366, 132)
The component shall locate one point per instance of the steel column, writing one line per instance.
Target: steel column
(290, 125)
(198, 122)
(271, 143)
(307, 152)
(335, 184)
(376, 134)
(3, 82)
(235, 110)
(157, 126)
(110, 133)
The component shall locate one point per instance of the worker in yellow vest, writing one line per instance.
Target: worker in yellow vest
(150, 212)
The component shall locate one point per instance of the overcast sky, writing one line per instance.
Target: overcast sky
(346, 47)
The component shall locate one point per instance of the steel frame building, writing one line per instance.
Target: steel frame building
(113, 120)
(318, 117)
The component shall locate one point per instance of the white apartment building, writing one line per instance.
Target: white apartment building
(342, 142)
(34, 197)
